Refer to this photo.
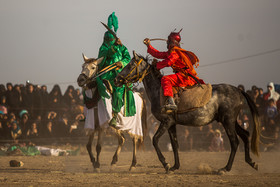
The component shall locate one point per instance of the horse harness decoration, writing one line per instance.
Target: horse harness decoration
(138, 77)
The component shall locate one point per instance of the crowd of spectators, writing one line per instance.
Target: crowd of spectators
(213, 137)
(29, 113)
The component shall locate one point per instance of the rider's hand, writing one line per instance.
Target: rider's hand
(119, 65)
(147, 42)
(118, 42)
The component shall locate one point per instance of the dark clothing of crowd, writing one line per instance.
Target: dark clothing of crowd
(29, 112)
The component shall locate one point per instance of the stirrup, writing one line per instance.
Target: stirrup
(170, 105)
(170, 109)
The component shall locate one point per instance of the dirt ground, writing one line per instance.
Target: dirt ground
(195, 170)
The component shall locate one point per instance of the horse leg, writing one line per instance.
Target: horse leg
(133, 164)
(230, 130)
(98, 150)
(244, 135)
(175, 146)
(89, 148)
(121, 141)
(161, 130)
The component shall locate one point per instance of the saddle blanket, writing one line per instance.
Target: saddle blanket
(191, 97)
(131, 124)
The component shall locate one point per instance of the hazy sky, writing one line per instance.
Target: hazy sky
(42, 41)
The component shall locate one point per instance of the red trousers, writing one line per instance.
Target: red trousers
(176, 80)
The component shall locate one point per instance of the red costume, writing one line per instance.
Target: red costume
(181, 61)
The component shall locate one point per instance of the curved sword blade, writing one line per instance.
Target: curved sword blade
(110, 30)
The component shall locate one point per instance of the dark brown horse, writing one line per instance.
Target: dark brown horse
(224, 107)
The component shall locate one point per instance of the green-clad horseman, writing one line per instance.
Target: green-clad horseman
(114, 52)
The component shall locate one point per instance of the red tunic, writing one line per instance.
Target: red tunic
(181, 61)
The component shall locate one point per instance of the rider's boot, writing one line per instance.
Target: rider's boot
(113, 122)
(170, 105)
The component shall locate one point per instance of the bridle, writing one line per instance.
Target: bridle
(87, 79)
(138, 76)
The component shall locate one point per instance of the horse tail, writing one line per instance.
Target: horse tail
(256, 129)
(143, 123)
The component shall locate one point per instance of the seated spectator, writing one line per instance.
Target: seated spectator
(52, 115)
(76, 129)
(217, 143)
(24, 122)
(11, 119)
(48, 131)
(32, 132)
(15, 131)
(62, 127)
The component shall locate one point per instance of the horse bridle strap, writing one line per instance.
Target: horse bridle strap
(137, 76)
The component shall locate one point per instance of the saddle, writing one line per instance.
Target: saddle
(189, 98)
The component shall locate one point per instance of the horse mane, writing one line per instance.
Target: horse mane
(155, 71)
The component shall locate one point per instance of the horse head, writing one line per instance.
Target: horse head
(89, 69)
(134, 71)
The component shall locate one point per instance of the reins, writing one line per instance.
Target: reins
(139, 77)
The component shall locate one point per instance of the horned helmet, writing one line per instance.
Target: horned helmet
(174, 39)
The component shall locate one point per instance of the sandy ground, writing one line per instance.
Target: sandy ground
(194, 170)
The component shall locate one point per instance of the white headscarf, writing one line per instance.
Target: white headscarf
(273, 94)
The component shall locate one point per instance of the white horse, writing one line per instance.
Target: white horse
(97, 116)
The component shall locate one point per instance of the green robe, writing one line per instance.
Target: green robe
(121, 95)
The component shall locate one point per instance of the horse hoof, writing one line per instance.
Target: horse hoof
(167, 168)
(97, 170)
(113, 166)
(221, 171)
(132, 168)
(173, 169)
(256, 166)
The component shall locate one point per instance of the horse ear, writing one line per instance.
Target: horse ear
(84, 57)
(99, 60)
(135, 55)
